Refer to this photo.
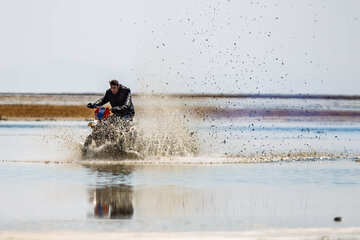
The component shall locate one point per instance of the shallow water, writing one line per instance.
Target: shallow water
(39, 196)
(249, 174)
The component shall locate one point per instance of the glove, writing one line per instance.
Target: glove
(90, 105)
(118, 109)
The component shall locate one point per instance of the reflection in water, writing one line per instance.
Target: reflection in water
(191, 198)
(120, 171)
(112, 202)
(112, 199)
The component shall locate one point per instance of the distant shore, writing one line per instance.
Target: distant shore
(71, 106)
(46, 112)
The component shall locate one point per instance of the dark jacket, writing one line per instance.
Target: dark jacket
(117, 101)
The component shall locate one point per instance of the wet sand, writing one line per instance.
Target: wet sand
(311, 233)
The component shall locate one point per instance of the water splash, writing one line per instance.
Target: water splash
(64, 142)
(161, 131)
(166, 135)
(169, 130)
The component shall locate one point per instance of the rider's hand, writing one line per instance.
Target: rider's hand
(123, 108)
(114, 109)
(118, 109)
(90, 105)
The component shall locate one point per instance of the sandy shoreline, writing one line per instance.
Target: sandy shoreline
(45, 112)
(297, 233)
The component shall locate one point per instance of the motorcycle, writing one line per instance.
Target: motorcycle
(111, 137)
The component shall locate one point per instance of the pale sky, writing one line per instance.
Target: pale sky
(169, 46)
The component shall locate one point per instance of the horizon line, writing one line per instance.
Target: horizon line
(204, 95)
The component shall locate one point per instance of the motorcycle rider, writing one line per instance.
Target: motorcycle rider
(119, 97)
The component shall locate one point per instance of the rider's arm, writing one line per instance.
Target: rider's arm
(102, 101)
(127, 102)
